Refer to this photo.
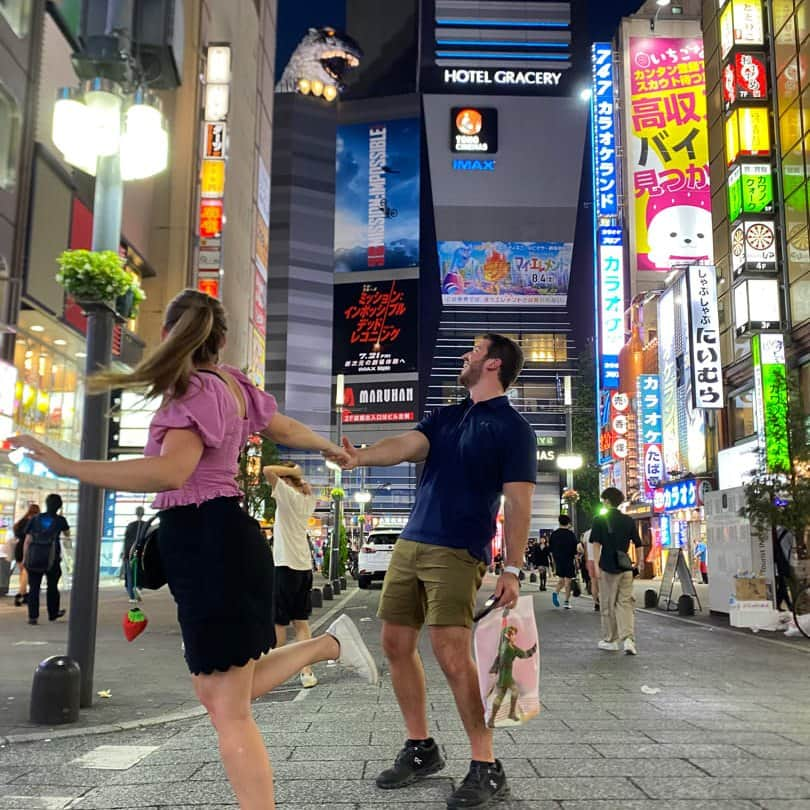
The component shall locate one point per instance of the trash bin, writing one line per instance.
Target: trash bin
(56, 692)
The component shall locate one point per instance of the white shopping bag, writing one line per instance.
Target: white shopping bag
(508, 657)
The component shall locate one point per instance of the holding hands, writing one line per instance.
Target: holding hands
(346, 457)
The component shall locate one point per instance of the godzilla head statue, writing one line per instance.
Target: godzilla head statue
(319, 64)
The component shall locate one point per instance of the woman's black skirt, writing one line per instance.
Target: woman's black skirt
(220, 571)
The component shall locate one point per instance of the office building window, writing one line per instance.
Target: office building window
(742, 415)
(551, 348)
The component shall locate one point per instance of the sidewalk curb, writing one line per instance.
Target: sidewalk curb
(148, 722)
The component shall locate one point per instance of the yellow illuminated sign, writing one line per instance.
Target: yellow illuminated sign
(747, 133)
(212, 178)
(741, 23)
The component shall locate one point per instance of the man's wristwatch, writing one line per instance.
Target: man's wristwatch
(513, 570)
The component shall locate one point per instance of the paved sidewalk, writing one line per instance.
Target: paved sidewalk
(729, 729)
(147, 679)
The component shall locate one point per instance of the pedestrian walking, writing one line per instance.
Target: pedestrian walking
(784, 546)
(474, 453)
(563, 547)
(591, 567)
(701, 556)
(295, 503)
(131, 534)
(21, 597)
(611, 536)
(541, 558)
(216, 560)
(42, 556)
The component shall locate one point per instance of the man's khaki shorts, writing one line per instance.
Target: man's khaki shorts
(430, 585)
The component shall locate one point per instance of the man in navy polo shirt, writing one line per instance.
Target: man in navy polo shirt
(474, 453)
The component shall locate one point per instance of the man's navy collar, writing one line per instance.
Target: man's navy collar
(494, 402)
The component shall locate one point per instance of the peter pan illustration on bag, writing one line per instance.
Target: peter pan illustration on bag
(508, 651)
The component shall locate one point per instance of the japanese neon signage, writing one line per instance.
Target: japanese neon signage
(750, 189)
(611, 302)
(704, 326)
(771, 400)
(748, 133)
(650, 431)
(741, 23)
(677, 495)
(669, 146)
(745, 77)
(604, 131)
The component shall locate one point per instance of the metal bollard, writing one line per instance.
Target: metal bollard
(327, 592)
(532, 577)
(55, 692)
(342, 583)
(686, 606)
(317, 598)
(650, 598)
(336, 587)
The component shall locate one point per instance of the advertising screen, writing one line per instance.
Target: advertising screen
(503, 273)
(669, 147)
(377, 403)
(377, 196)
(375, 327)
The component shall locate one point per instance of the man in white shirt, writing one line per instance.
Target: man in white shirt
(295, 503)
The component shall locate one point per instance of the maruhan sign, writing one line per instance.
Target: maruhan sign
(503, 78)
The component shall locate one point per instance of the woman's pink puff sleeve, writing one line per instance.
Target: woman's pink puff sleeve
(261, 406)
(200, 410)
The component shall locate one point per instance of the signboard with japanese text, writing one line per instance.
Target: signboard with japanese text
(259, 301)
(257, 358)
(375, 327)
(669, 152)
(263, 192)
(214, 146)
(611, 303)
(379, 403)
(748, 133)
(750, 190)
(603, 117)
(212, 178)
(745, 78)
(262, 245)
(668, 370)
(208, 283)
(677, 495)
(619, 425)
(741, 23)
(704, 327)
(505, 273)
(771, 400)
(377, 195)
(650, 431)
(210, 218)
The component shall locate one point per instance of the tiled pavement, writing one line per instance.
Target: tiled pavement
(729, 730)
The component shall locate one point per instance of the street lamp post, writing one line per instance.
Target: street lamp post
(334, 551)
(115, 135)
(361, 499)
(569, 461)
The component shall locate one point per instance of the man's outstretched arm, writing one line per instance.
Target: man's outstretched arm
(411, 446)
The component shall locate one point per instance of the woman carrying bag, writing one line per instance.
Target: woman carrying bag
(218, 566)
(21, 597)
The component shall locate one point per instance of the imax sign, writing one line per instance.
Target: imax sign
(474, 165)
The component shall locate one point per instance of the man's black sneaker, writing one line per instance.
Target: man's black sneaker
(483, 786)
(414, 762)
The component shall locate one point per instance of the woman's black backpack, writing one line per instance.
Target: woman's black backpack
(144, 558)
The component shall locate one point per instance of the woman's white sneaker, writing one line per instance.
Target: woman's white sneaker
(353, 652)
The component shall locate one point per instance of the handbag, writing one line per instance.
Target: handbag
(144, 558)
(623, 561)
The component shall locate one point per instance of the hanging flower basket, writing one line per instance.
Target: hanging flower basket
(100, 277)
(570, 495)
(338, 494)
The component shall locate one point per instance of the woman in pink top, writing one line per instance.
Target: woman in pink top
(218, 565)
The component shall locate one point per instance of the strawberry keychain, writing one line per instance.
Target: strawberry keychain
(134, 621)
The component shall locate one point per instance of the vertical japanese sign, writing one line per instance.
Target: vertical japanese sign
(669, 149)
(611, 303)
(668, 369)
(704, 329)
(650, 432)
(604, 131)
(771, 400)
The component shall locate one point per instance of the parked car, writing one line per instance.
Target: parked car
(375, 554)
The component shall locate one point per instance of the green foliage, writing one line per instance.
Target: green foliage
(343, 554)
(782, 497)
(90, 275)
(584, 429)
(257, 454)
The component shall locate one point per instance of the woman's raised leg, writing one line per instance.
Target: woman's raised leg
(285, 662)
(226, 697)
